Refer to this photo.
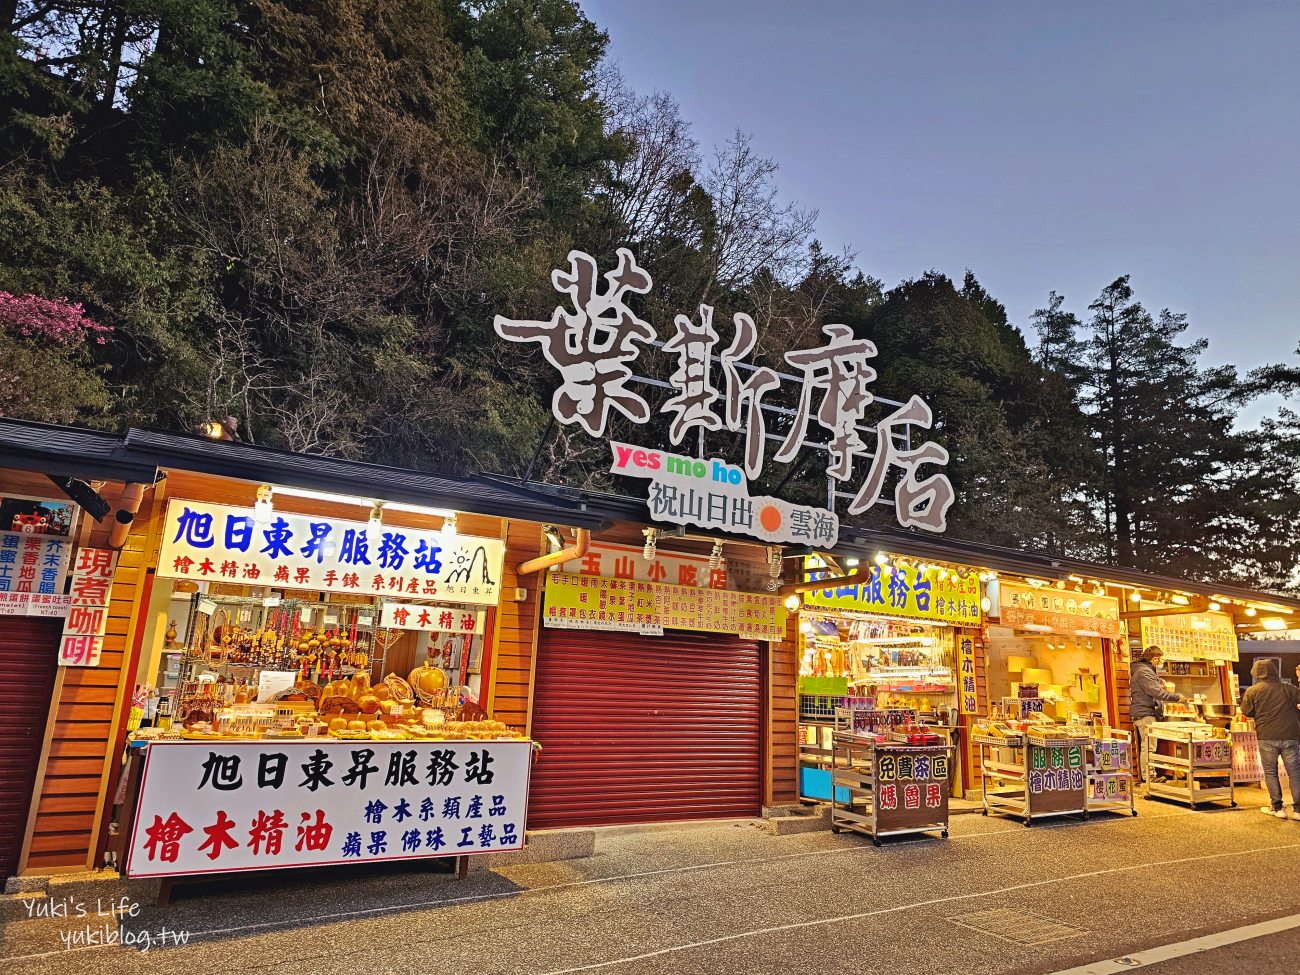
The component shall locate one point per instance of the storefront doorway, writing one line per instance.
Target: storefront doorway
(639, 729)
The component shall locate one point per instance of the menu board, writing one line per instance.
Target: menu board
(1191, 636)
(1059, 611)
(598, 603)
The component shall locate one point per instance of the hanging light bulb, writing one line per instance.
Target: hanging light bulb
(715, 557)
(881, 558)
(262, 509)
(449, 526)
(1214, 607)
(1135, 596)
(1250, 610)
(376, 522)
(943, 573)
(851, 563)
(651, 543)
(792, 602)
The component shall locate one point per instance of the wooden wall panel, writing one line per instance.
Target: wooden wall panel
(782, 774)
(76, 764)
(510, 690)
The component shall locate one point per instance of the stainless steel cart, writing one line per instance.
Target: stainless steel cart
(1189, 765)
(1033, 777)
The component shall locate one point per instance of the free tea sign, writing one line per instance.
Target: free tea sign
(219, 806)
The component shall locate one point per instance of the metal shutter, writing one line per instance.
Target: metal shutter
(641, 729)
(28, 647)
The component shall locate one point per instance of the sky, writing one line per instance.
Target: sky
(1044, 146)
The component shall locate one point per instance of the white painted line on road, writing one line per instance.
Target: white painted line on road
(641, 875)
(1180, 949)
(899, 908)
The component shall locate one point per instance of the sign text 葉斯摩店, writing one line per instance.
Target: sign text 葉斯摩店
(222, 543)
(593, 343)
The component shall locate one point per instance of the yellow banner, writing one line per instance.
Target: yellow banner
(1191, 636)
(1059, 611)
(599, 603)
(912, 593)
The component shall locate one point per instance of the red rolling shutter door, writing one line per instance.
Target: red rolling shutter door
(640, 729)
(28, 648)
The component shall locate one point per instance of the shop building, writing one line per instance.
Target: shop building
(177, 620)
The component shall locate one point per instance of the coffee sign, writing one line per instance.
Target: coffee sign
(593, 342)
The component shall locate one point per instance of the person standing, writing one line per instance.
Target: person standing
(1146, 699)
(1272, 706)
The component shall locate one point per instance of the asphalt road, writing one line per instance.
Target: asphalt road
(995, 897)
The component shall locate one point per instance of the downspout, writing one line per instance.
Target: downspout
(581, 542)
(132, 498)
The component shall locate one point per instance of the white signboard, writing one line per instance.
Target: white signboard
(218, 542)
(272, 682)
(87, 619)
(715, 494)
(218, 806)
(430, 619)
(594, 339)
(33, 562)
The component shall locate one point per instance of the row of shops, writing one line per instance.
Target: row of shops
(224, 657)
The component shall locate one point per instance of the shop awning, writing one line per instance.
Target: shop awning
(71, 451)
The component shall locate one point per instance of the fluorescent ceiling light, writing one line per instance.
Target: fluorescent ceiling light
(361, 502)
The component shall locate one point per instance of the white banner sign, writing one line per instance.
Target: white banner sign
(715, 494)
(218, 806)
(225, 544)
(33, 562)
(87, 619)
(34, 604)
(430, 619)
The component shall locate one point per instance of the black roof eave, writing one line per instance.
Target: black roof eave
(247, 462)
(45, 448)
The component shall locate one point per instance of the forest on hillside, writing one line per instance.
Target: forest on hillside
(306, 215)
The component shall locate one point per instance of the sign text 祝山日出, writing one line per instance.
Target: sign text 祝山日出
(593, 343)
(715, 494)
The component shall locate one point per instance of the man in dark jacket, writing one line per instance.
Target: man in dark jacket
(1272, 706)
(1146, 698)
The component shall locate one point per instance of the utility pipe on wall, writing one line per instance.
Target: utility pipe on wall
(132, 498)
(581, 542)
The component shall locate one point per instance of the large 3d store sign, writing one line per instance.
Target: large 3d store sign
(594, 344)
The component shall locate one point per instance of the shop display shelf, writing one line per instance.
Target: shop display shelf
(1192, 777)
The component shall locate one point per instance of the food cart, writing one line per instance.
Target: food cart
(1190, 762)
(887, 788)
(1110, 779)
(1034, 774)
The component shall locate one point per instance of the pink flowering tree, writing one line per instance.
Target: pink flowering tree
(46, 372)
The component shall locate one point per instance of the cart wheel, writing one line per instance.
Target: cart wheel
(1028, 822)
(834, 828)
(1085, 817)
(1133, 812)
(944, 834)
(984, 812)
(1233, 803)
(875, 842)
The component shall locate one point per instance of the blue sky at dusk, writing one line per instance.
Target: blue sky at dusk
(1044, 146)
